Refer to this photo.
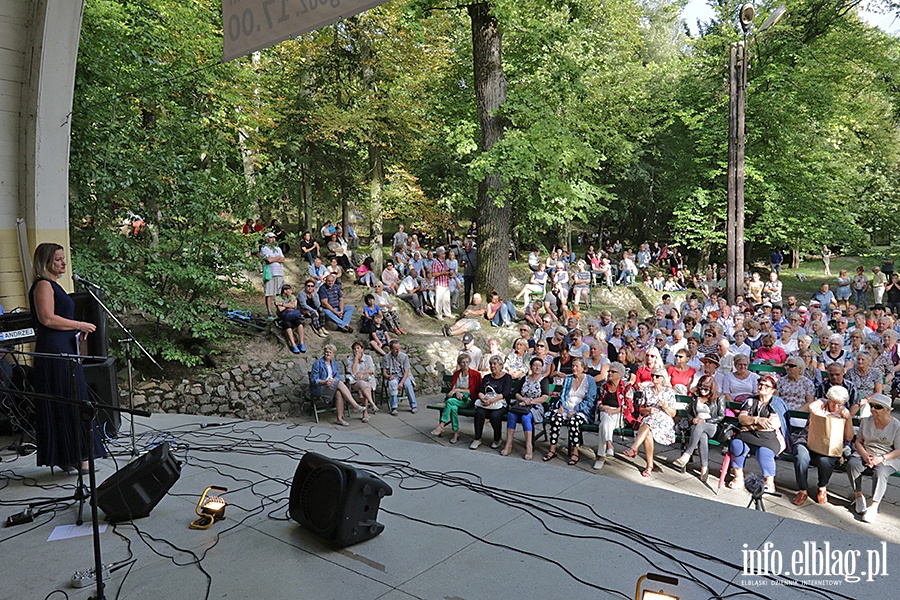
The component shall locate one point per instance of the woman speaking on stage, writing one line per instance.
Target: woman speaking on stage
(58, 333)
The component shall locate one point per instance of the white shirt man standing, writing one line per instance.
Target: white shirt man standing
(273, 257)
(441, 274)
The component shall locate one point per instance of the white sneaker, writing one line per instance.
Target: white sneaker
(495, 444)
(475, 444)
(610, 452)
(860, 505)
(871, 515)
(598, 464)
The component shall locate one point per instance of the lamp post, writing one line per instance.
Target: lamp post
(739, 66)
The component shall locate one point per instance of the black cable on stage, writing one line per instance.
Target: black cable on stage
(516, 550)
(237, 437)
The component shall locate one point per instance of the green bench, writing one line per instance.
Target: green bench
(470, 412)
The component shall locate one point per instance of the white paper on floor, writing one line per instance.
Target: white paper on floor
(64, 532)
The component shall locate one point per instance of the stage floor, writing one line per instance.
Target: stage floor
(460, 524)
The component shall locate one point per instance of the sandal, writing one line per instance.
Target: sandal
(630, 452)
(573, 460)
(549, 456)
(647, 472)
(437, 431)
(528, 456)
(365, 419)
(455, 438)
(736, 483)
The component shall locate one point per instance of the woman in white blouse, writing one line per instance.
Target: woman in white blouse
(741, 384)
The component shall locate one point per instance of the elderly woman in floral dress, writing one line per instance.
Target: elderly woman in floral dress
(657, 410)
(795, 389)
(868, 382)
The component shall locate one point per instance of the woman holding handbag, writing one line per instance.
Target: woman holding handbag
(810, 451)
(463, 387)
(535, 391)
(615, 401)
(760, 431)
(706, 411)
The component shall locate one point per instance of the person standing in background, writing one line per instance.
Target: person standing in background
(441, 274)
(273, 257)
(469, 258)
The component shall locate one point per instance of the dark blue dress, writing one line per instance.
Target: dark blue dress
(56, 435)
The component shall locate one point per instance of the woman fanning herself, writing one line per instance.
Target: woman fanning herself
(705, 411)
(657, 412)
(361, 375)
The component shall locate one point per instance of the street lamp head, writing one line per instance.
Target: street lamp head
(746, 16)
(773, 18)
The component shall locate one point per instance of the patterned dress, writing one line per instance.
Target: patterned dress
(662, 426)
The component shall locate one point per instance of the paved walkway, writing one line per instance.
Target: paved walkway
(837, 513)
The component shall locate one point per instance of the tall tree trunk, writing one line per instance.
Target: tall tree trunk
(376, 185)
(493, 208)
(795, 257)
(376, 166)
(248, 153)
(307, 201)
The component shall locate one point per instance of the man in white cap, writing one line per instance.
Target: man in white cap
(469, 347)
(273, 258)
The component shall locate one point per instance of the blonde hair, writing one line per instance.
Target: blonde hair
(43, 259)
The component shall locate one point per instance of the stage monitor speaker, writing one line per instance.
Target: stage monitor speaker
(336, 502)
(135, 490)
(87, 309)
(101, 379)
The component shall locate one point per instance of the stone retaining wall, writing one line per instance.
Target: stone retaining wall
(271, 390)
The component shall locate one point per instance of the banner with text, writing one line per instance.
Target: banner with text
(251, 25)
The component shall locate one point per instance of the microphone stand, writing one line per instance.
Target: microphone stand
(87, 413)
(128, 341)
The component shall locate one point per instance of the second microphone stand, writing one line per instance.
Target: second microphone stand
(128, 340)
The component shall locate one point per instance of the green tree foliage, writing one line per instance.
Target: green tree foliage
(154, 133)
(613, 116)
(821, 159)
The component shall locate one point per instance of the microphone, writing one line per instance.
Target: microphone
(84, 281)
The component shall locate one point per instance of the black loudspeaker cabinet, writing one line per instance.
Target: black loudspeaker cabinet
(101, 379)
(135, 490)
(87, 309)
(336, 502)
